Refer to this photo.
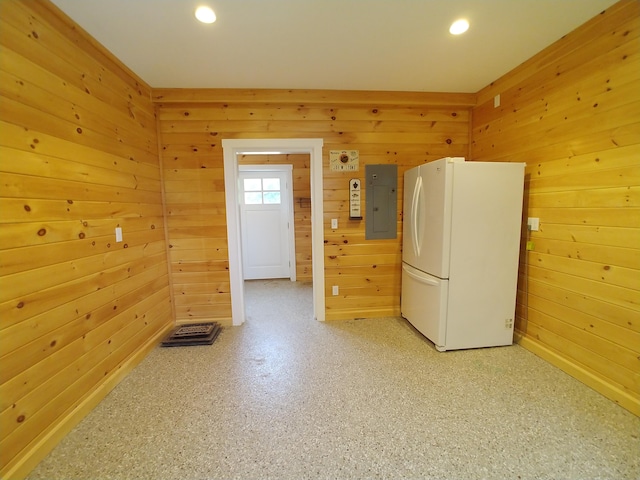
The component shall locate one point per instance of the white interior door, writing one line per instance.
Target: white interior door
(266, 221)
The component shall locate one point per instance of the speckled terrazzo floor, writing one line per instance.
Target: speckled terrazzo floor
(286, 397)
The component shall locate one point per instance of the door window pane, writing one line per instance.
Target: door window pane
(259, 191)
(271, 198)
(271, 183)
(252, 198)
(252, 185)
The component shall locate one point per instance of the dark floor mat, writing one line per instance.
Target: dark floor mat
(193, 334)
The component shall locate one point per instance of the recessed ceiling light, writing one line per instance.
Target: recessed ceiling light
(205, 15)
(459, 26)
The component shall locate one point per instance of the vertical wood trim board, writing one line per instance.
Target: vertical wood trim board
(572, 113)
(386, 127)
(78, 158)
(165, 228)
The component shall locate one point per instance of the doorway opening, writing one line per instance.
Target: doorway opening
(231, 149)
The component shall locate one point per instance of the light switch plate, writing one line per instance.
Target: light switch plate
(118, 234)
(533, 223)
(334, 223)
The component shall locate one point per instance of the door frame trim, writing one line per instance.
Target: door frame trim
(230, 149)
(287, 169)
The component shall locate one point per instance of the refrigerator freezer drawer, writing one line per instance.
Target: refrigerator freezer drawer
(424, 304)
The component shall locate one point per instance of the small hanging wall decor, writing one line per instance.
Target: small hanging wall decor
(354, 199)
(344, 160)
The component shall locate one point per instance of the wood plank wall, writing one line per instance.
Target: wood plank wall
(572, 112)
(405, 129)
(301, 176)
(78, 157)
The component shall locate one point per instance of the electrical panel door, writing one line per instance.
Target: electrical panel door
(381, 199)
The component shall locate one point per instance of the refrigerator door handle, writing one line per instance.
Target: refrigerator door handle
(415, 217)
(420, 278)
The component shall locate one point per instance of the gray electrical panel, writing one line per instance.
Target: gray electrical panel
(381, 198)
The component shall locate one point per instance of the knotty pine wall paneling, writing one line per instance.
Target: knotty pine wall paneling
(78, 157)
(405, 129)
(572, 113)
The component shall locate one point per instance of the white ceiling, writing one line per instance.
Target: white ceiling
(397, 45)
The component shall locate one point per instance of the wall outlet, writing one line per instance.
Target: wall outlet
(533, 223)
(335, 290)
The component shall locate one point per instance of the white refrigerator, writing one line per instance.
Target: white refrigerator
(461, 242)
